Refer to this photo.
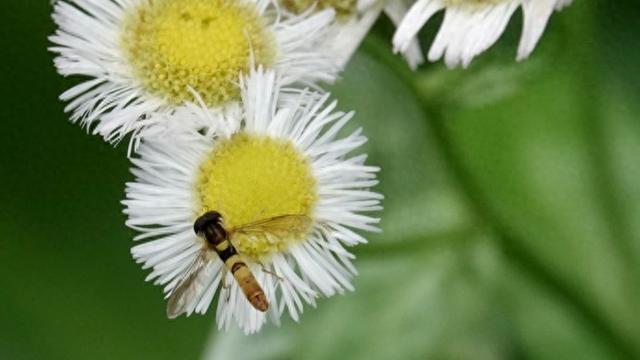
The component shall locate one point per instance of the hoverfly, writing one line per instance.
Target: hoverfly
(219, 240)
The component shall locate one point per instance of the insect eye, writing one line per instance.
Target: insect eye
(205, 220)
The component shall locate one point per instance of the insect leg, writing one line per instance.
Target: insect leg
(273, 273)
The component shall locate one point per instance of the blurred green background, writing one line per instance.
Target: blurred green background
(511, 228)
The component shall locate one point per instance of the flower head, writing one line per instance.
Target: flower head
(271, 159)
(354, 20)
(142, 56)
(471, 26)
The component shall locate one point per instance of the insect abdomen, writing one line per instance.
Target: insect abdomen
(243, 275)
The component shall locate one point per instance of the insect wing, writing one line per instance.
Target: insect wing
(189, 288)
(278, 226)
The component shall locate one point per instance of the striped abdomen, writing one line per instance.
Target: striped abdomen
(218, 240)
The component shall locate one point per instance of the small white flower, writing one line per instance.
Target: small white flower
(472, 26)
(354, 20)
(137, 57)
(269, 159)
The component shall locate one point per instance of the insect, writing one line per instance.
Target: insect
(210, 227)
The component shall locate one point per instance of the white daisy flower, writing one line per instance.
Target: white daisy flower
(354, 20)
(269, 161)
(472, 26)
(137, 57)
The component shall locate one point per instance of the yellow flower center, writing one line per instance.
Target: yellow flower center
(343, 8)
(249, 178)
(204, 44)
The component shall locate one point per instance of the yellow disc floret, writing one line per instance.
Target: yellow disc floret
(249, 178)
(204, 44)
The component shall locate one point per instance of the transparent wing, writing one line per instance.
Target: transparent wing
(188, 289)
(279, 226)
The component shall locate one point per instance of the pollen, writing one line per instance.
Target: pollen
(203, 44)
(250, 178)
(343, 8)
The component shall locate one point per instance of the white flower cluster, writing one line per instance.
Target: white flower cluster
(246, 191)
